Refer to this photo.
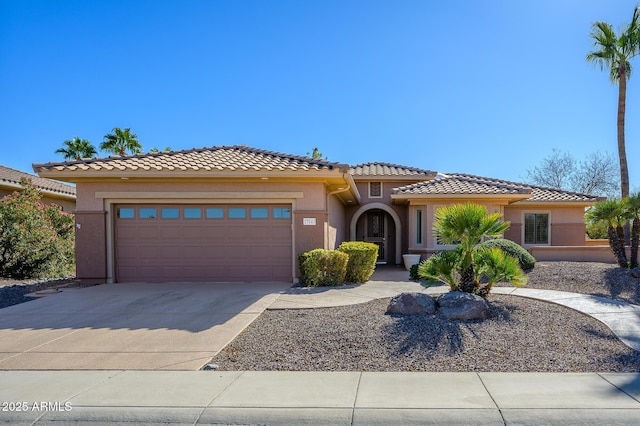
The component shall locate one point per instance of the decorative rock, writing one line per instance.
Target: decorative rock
(412, 304)
(457, 305)
(211, 367)
(635, 272)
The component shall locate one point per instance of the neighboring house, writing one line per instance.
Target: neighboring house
(52, 192)
(235, 213)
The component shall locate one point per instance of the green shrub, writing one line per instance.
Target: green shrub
(36, 240)
(362, 260)
(413, 272)
(321, 267)
(512, 249)
(597, 231)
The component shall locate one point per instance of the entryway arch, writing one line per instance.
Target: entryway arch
(394, 216)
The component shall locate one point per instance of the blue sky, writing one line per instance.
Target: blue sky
(485, 87)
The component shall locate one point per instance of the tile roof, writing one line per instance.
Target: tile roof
(463, 184)
(217, 158)
(389, 170)
(11, 178)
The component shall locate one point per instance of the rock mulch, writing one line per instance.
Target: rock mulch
(599, 279)
(13, 292)
(522, 334)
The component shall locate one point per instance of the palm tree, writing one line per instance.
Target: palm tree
(120, 141)
(612, 213)
(471, 267)
(77, 149)
(614, 52)
(632, 206)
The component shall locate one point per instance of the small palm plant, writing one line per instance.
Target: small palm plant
(465, 267)
(611, 212)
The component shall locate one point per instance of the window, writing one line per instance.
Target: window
(419, 226)
(281, 213)
(126, 212)
(148, 213)
(536, 228)
(214, 213)
(192, 213)
(169, 213)
(237, 212)
(259, 213)
(375, 189)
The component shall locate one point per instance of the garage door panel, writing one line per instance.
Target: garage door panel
(205, 249)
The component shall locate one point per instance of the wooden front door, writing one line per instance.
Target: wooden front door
(376, 232)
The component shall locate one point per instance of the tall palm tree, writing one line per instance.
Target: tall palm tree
(120, 141)
(77, 149)
(467, 224)
(613, 52)
(612, 213)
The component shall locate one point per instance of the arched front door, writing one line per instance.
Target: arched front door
(379, 224)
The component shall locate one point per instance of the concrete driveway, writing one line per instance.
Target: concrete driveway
(132, 326)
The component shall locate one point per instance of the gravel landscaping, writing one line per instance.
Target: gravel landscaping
(13, 292)
(522, 335)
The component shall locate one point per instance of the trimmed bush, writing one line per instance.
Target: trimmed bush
(413, 272)
(321, 267)
(512, 249)
(36, 240)
(362, 260)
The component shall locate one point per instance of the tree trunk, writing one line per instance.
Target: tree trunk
(635, 240)
(622, 153)
(467, 280)
(617, 247)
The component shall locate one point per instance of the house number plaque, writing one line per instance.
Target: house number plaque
(308, 220)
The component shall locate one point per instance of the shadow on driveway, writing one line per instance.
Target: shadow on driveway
(130, 326)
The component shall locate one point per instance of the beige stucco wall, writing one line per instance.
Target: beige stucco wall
(567, 223)
(336, 225)
(429, 208)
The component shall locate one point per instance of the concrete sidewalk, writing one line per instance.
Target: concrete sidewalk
(336, 398)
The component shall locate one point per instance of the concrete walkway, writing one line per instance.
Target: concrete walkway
(312, 398)
(622, 318)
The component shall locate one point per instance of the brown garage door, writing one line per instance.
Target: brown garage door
(162, 243)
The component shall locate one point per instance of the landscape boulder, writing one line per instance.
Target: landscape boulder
(412, 304)
(635, 272)
(457, 305)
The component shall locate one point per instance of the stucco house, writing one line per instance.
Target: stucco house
(52, 192)
(236, 213)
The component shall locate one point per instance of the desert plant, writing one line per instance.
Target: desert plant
(612, 213)
(496, 265)
(441, 267)
(597, 231)
(321, 267)
(413, 272)
(36, 240)
(632, 208)
(464, 268)
(362, 260)
(525, 259)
